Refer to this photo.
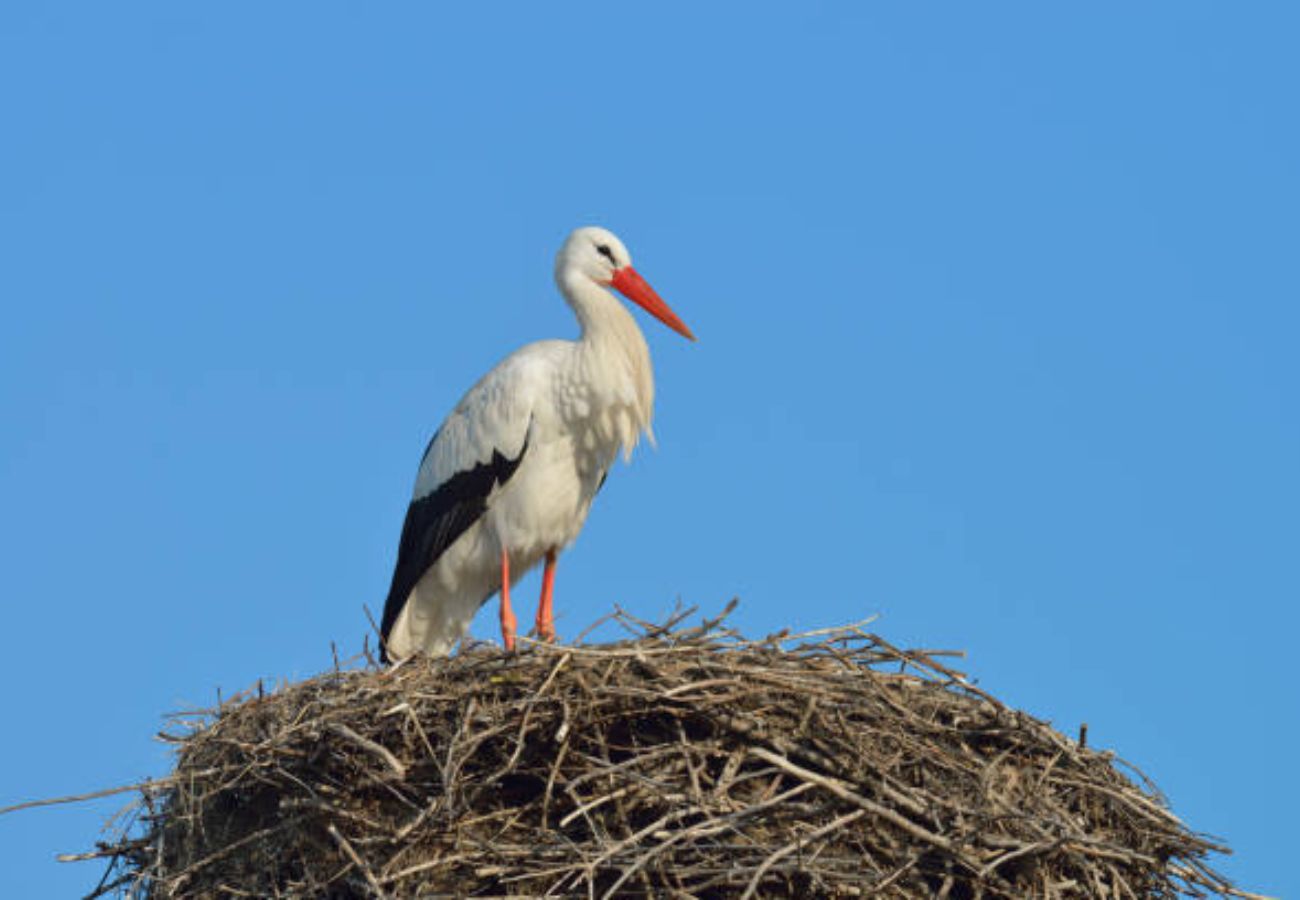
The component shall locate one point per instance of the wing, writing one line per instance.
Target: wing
(436, 520)
(478, 448)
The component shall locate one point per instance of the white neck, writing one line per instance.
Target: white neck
(612, 346)
(599, 312)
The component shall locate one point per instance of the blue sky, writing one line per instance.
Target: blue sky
(997, 308)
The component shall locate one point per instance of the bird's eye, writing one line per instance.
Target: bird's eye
(603, 250)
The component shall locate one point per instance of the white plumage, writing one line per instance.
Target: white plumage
(508, 479)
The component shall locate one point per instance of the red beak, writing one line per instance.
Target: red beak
(628, 282)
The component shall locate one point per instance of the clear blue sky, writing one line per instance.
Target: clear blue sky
(998, 307)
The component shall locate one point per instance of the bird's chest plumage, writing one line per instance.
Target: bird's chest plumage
(573, 440)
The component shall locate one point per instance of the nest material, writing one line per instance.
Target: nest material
(684, 762)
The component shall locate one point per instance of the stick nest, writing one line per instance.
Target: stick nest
(681, 762)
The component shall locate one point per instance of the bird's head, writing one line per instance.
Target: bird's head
(598, 255)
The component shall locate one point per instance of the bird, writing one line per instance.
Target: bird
(508, 478)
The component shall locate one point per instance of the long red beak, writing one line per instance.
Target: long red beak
(628, 282)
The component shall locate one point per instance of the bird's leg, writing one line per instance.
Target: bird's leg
(508, 623)
(545, 616)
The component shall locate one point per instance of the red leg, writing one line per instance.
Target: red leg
(508, 623)
(545, 615)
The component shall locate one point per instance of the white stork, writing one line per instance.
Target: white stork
(509, 477)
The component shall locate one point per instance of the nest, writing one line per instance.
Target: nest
(680, 762)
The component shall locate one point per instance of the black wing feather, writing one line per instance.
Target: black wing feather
(435, 521)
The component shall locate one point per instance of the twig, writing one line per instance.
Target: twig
(152, 784)
(358, 862)
(369, 746)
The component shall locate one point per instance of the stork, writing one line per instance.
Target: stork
(508, 479)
